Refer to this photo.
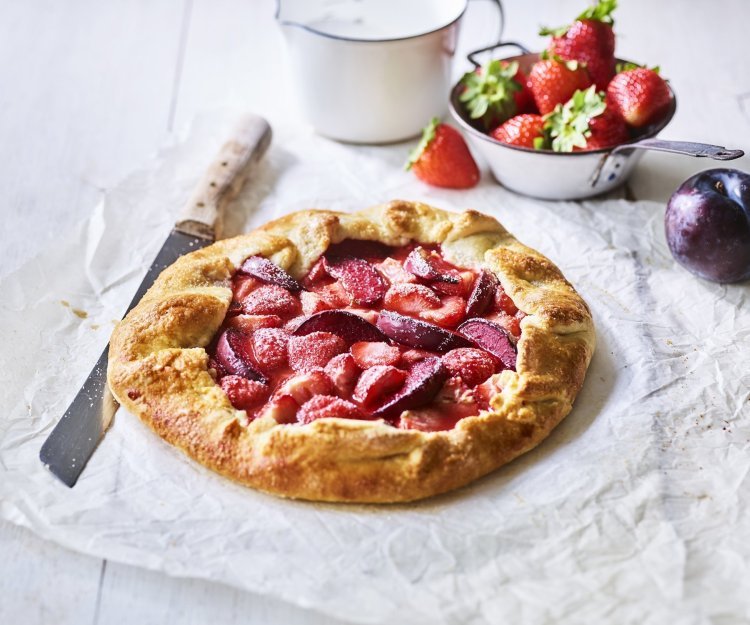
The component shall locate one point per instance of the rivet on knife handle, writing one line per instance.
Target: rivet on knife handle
(202, 215)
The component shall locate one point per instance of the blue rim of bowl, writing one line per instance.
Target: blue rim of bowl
(457, 113)
(315, 31)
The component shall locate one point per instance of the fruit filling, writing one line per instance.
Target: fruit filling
(371, 332)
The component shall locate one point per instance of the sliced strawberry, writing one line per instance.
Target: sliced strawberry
(294, 323)
(429, 420)
(327, 407)
(281, 408)
(243, 285)
(511, 323)
(316, 274)
(377, 383)
(410, 356)
(251, 323)
(359, 279)
(410, 299)
(303, 386)
(451, 312)
(334, 294)
(343, 372)
(504, 303)
(430, 266)
(474, 366)
(314, 350)
(443, 159)
(244, 394)
(394, 271)
(462, 289)
(368, 354)
(484, 392)
(313, 303)
(270, 299)
(270, 348)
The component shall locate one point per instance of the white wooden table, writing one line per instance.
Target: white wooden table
(89, 89)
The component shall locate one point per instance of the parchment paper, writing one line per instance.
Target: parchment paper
(635, 510)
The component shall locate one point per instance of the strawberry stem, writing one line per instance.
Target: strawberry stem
(567, 127)
(428, 135)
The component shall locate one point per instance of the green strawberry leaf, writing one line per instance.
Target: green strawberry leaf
(568, 125)
(627, 66)
(428, 136)
(601, 11)
(488, 94)
(560, 31)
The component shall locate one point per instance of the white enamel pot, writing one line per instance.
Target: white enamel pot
(371, 71)
(569, 176)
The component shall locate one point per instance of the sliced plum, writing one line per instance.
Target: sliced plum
(430, 266)
(417, 333)
(234, 355)
(492, 338)
(350, 327)
(269, 272)
(359, 248)
(359, 278)
(483, 294)
(423, 381)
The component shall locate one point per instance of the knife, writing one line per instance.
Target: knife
(75, 437)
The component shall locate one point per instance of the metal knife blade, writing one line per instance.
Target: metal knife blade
(75, 437)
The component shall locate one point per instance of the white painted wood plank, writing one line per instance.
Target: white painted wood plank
(85, 92)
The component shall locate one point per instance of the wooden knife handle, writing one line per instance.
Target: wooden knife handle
(224, 178)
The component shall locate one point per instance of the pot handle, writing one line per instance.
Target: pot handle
(689, 148)
(500, 44)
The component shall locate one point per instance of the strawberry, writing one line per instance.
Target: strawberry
(376, 383)
(314, 350)
(553, 81)
(410, 299)
(503, 302)
(250, 323)
(495, 92)
(511, 323)
(316, 274)
(281, 408)
(584, 123)
(521, 130)
(410, 356)
(442, 158)
(474, 366)
(639, 95)
(270, 299)
(312, 303)
(359, 279)
(394, 271)
(462, 288)
(244, 394)
(334, 295)
(243, 285)
(589, 40)
(270, 348)
(451, 312)
(327, 407)
(303, 386)
(370, 354)
(343, 372)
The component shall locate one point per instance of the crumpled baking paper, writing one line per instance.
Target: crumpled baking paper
(634, 510)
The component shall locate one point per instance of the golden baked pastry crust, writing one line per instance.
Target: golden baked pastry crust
(158, 367)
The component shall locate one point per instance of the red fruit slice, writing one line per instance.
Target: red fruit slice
(327, 407)
(343, 373)
(270, 299)
(244, 394)
(429, 420)
(462, 288)
(316, 274)
(359, 279)
(504, 303)
(270, 348)
(313, 350)
(377, 383)
(492, 338)
(430, 266)
(370, 354)
(422, 383)
(304, 386)
(511, 323)
(282, 408)
(251, 323)
(243, 285)
(483, 294)
(474, 366)
(269, 272)
(350, 327)
(451, 312)
(369, 315)
(234, 355)
(410, 356)
(235, 308)
(410, 299)
(313, 303)
(416, 333)
(359, 248)
(394, 271)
